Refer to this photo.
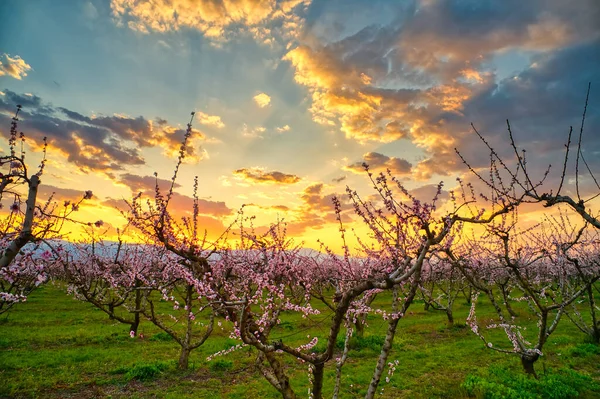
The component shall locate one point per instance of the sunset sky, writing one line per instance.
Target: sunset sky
(291, 96)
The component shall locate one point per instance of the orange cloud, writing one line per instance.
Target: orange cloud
(271, 208)
(472, 74)
(253, 133)
(380, 163)
(98, 142)
(15, 67)
(256, 175)
(146, 184)
(342, 94)
(217, 19)
(317, 210)
(46, 191)
(283, 129)
(452, 96)
(179, 205)
(413, 80)
(210, 120)
(262, 100)
(320, 69)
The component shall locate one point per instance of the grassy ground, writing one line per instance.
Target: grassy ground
(56, 347)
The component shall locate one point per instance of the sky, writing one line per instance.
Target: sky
(291, 97)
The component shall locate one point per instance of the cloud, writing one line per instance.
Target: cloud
(45, 191)
(317, 209)
(210, 120)
(316, 201)
(15, 67)
(270, 208)
(262, 100)
(421, 76)
(180, 204)
(217, 20)
(314, 189)
(253, 133)
(380, 163)
(341, 98)
(283, 129)
(256, 175)
(541, 103)
(146, 184)
(281, 208)
(210, 217)
(96, 143)
(142, 132)
(90, 11)
(427, 192)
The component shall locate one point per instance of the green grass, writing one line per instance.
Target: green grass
(53, 346)
(502, 384)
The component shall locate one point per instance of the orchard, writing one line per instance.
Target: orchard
(453, 284)
(320, 199)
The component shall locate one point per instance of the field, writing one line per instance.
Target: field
(54, 346)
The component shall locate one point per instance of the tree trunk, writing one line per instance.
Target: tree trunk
(283, 382)
(11, 251)
(136, 313)
(528, 360)
(468, 295)
(391, 333)
(362, 320)
(185, 347)
(595, 322)
(317, 388)
(360, 327)
(184, 358)
(596, 335)
(287, 392)
(450, 317)
(383, 356)
(340, 364)
(135, 324)
(506, 301)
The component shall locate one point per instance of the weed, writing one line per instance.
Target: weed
(145, 371)
(372, 342)
(220, 365)
(502, 383)
(286, 326)
(585, 350)
(161, 336)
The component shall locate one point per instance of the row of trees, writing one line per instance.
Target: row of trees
(251, 277)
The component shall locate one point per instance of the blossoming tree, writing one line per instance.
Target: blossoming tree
(27, 229)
